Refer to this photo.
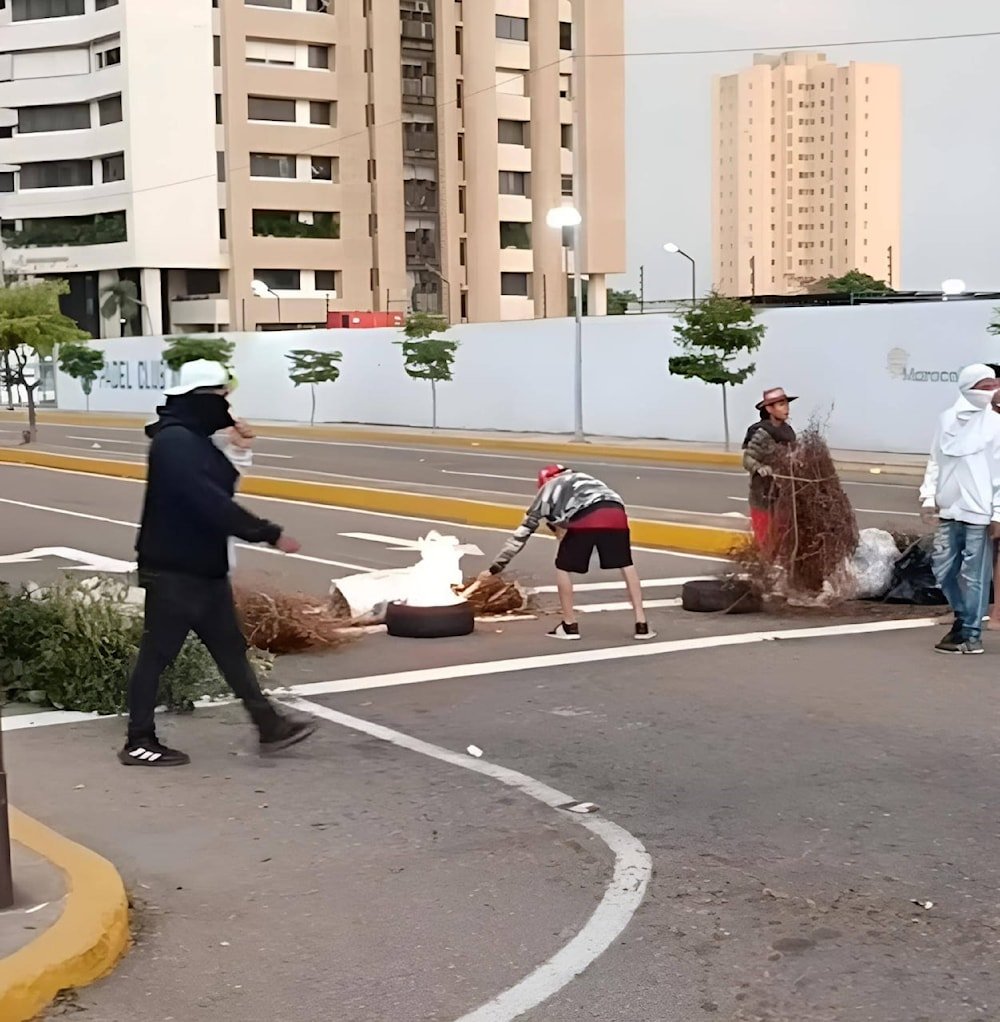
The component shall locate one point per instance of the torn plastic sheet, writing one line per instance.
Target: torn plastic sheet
(428, 583)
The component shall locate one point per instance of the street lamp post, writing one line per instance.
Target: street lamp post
(559, 218)
(261, 290)
(673, 249)
(952, 288)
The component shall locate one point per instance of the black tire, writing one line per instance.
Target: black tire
(719, 596)
(407, 622)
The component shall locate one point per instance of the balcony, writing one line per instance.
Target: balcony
(199, 310)
(420, 143)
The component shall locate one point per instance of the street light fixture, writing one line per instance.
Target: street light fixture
(952, 287)
(560, 218)
(673, 249)
(262, 290)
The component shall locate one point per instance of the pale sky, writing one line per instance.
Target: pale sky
(951, 109)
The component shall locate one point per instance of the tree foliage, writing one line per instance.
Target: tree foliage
(190, 349)
(619, 301)
(31, 328)
(714, 335)
(852, 283)
(994, 327)
(82, 363)
(426, 357)
(313, 368)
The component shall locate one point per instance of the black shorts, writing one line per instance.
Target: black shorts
(614, 547)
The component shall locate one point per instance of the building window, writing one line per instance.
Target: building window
(322, 112)
(270, 51)
(57, 174)
(7, 181)
(515, 284)
(203, 282)
(109, 110)
(280, 223)
(113, 168)
(279, 280)
(263, 108)
(511, 28)
(326, 280)
(320, 6)
(567, 184)
(220, 166)
(109, 57)
(217, 50)
(325, 168)
(222, 225)
(513, 182)
(265, 165)
(36, 10)
(514, 234)
(99, 229)
(101, 4)
(218, 109)
(565, 35)
(319, 57)
(64, 117)
(282, 5)
(567, 136)
(512, 132)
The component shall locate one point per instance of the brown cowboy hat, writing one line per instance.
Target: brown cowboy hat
(773, 396)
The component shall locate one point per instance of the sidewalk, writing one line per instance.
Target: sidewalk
(625, 449)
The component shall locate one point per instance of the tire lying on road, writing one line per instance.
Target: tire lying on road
(720, 596)
(407, 622)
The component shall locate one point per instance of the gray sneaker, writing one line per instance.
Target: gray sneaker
(971, 647)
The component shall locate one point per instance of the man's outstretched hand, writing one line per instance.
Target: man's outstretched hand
(484, 576)
(288, 545)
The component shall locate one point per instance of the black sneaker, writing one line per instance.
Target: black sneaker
(971, 647)
(643, 632)
(568, 633)
(149, 752)
(284, 733)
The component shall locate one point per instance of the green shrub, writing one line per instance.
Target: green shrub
(73, 646)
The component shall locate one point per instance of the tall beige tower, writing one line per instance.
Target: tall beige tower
(806, 167)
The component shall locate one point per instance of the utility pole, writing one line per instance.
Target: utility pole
(642, 290)
(890, 266)
(753, 276)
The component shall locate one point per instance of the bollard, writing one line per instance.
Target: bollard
(6, 879)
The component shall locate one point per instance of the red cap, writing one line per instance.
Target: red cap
(549, 472)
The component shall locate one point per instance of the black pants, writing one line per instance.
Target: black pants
(177, 605)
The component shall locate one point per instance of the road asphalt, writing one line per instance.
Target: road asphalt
(818, 809)
(706, 495)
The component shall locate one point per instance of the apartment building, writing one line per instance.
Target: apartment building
(262, 163)
(807, 165)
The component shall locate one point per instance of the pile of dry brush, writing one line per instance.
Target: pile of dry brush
(814, 530)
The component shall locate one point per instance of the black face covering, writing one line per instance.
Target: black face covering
(207, 413)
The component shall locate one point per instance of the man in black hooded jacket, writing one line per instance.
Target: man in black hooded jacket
(188, 518)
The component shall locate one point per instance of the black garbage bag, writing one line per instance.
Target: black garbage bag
(913, 578)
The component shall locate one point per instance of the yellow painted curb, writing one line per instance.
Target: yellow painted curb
(697, 539)
(87, 940)
(446, 441)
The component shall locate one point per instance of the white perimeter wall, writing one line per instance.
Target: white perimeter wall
(878, 374)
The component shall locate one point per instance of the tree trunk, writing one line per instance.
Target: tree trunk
(434, 404)
(32, 413)
(725, 415)
(9, 379)
(312, 414)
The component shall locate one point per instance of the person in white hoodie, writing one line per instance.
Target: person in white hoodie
(962, 487)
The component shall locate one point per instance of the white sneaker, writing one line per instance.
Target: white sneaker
(643, 633)
(568, 633)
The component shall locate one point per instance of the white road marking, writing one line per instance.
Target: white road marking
(358, 511)
(596, 587)
(85, 561)
(863, 510)
(600, 608)
(52, 718)
(145, 443)
(132, 525)
(484, 475)
(622, 897)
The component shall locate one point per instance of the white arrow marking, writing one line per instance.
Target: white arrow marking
(93, 562)
(395, 543)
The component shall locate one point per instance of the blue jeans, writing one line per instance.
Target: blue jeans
(963, 566)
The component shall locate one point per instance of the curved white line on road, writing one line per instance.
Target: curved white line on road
(622, 898)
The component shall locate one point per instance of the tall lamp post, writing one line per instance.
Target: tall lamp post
(261, 290)
(952, 288)
(560, 218)
(673, 249)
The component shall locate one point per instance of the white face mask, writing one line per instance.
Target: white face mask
(980, 398)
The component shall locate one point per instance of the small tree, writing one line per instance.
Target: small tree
(81, 363)
(426, 357)
(190, 349)
(713, 335)
(121, 302)
(31, 328)
(994, 327)
(852, 283)
(619, 301)
(314, 367)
